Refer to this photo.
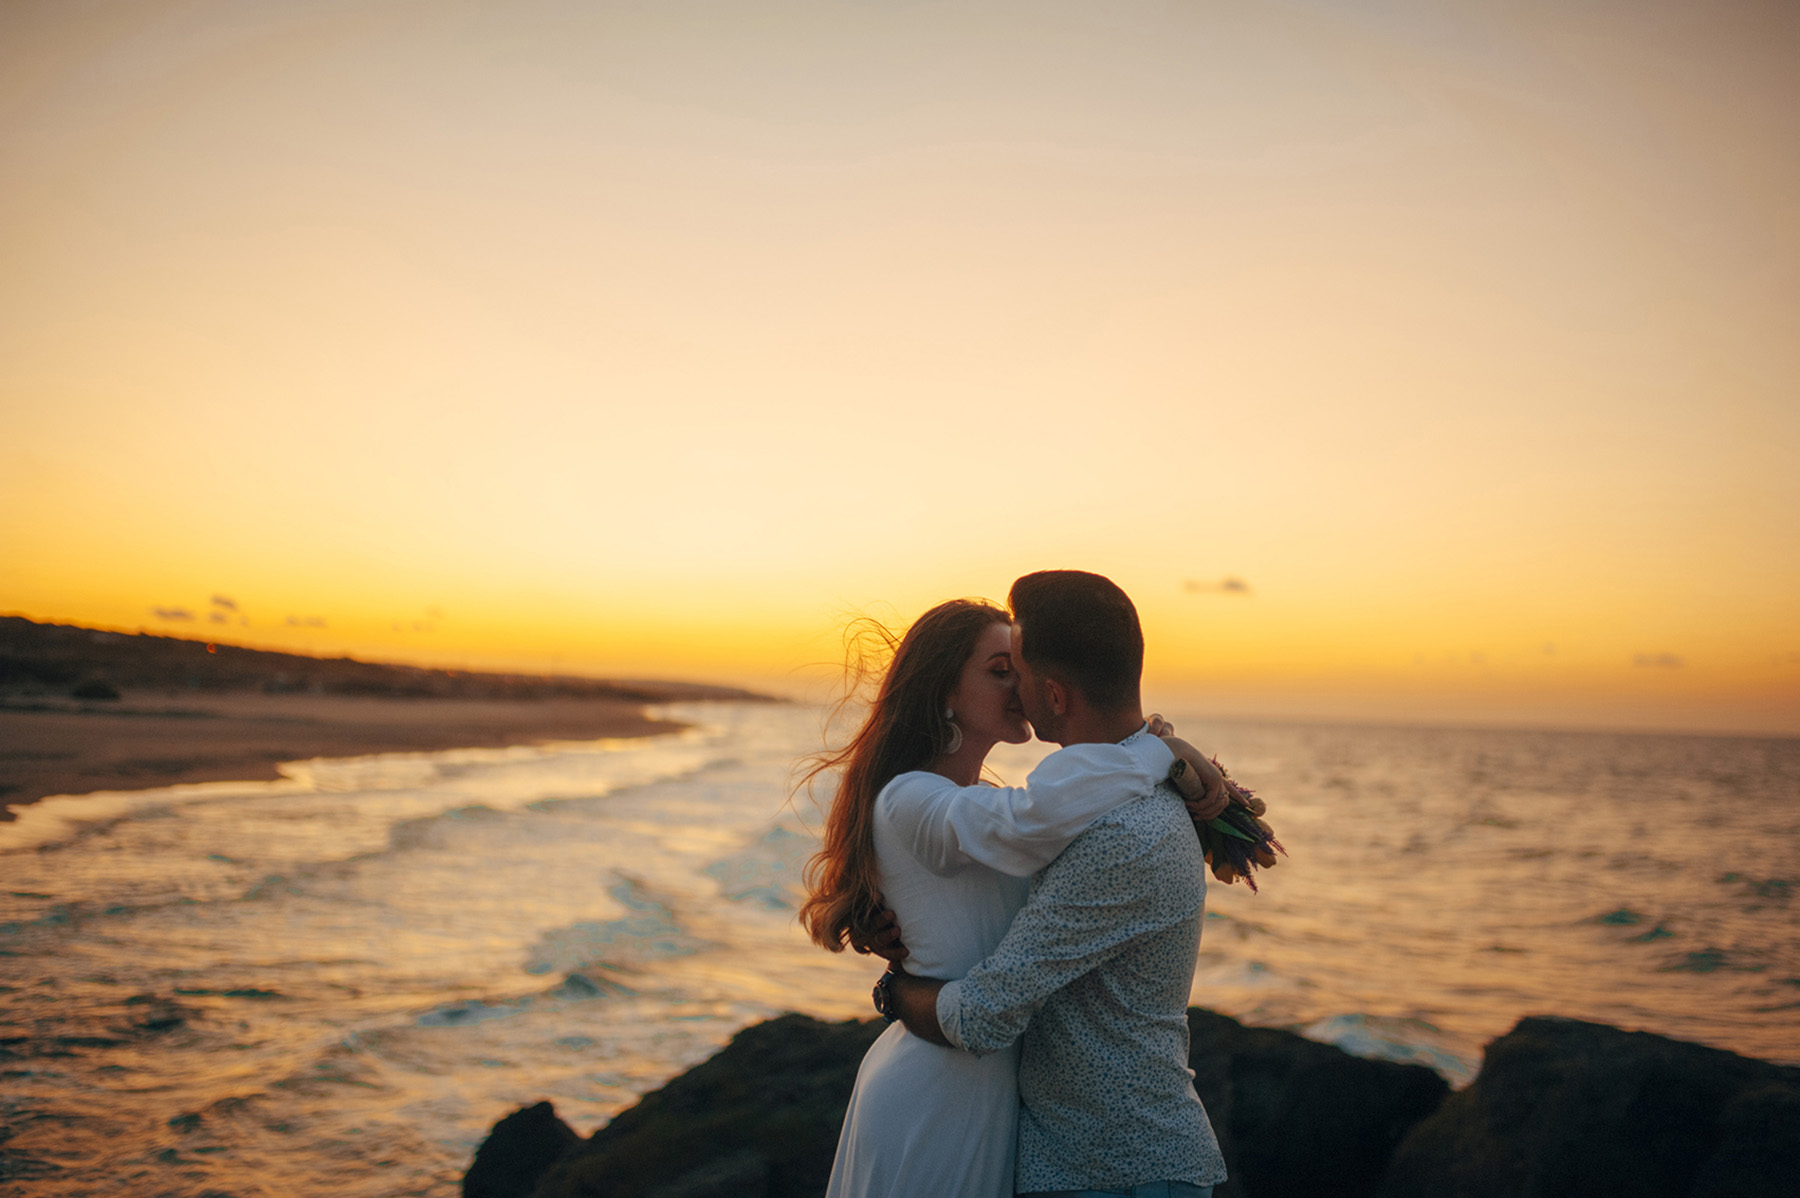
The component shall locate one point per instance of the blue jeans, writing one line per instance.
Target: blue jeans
(1149, 1189)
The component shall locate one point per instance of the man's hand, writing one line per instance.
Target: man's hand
(915, 1005)
(884, 938)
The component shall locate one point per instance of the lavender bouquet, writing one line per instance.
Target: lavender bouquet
(1239, 841)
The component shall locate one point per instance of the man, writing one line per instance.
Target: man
(1095, 971)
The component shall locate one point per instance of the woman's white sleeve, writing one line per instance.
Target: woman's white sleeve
(1018, 830)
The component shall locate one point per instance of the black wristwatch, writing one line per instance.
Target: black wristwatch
(884, 999)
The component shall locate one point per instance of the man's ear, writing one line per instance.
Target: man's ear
(1058, 697)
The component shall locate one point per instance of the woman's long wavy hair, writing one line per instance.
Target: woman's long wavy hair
(905, 729)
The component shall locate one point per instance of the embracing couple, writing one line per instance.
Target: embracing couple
(1039, 999)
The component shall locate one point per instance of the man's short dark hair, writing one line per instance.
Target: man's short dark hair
(1082, 629)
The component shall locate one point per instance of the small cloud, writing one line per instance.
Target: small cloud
(218, 617)
(1550, 647)
(172, 613)
(1660, 661)
(1225, 586)
(305, 622)
(227, 603)
(434, 612)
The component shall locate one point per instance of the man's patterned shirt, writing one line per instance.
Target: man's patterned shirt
(1095, 974)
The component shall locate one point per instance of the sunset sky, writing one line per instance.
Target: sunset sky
(1403, 361)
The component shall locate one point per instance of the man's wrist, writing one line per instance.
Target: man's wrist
(914, 1002)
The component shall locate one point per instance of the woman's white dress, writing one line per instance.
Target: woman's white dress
(924, 1119)
(931, 1122)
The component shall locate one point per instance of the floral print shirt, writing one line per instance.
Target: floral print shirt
(1095, 974)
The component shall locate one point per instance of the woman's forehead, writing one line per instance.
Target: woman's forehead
(994, 639)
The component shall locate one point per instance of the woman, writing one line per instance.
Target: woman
(926, 1120)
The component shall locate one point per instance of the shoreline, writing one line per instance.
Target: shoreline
(54, 746)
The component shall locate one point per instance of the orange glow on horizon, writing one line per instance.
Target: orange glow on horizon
(635, 344)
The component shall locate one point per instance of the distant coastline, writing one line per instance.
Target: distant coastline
(85, 709)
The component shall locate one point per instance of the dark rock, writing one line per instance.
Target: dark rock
(760, 1119)
(1565, 1108)
(743, 1175)
(94, 688)
(1296, 1118)
(517, 1153)
(1561, 1109)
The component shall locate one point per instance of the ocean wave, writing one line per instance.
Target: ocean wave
(766, 872)
(650, 932)
(1392, 1038)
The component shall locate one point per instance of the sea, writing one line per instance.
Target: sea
(336, 983)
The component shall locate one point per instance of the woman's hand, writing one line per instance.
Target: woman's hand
(1200, 782)
(884, 939)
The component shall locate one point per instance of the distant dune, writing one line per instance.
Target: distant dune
(83, 710)
(57, 659)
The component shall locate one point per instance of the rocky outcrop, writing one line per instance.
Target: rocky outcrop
(1297, 1119)
(518, 1152)
(1583, 1110)
(760, 1119)
(1561, 1109)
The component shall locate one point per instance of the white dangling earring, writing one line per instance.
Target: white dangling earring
(955, 732)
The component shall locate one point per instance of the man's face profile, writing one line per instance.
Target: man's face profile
(1034, 694)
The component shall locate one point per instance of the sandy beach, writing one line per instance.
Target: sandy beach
(52, 746)
(85, 709)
